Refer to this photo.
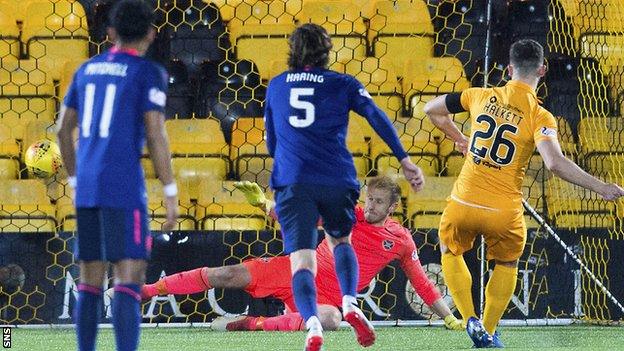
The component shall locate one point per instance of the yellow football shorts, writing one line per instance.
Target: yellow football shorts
(504, 231)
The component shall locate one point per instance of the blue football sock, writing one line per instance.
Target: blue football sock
(347, 268)
(304, 290)
(87, 315)
(127, 316)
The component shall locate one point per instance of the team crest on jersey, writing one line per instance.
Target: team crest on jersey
(388, 244)
(414, 255)
(549, 132)
(158, 97)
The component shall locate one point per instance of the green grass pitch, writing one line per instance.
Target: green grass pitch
(398, 338)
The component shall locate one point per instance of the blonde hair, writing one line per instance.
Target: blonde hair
(387, 183)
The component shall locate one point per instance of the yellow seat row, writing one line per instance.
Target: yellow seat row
(51, 31)
(396, 30)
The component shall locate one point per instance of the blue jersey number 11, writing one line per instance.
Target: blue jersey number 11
(107, 110)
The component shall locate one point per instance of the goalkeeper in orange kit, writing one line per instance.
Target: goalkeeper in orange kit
(377, 240)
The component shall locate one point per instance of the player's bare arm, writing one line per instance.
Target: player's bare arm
(438, 113)
(564, 168)
(67, 124)
(158, 146)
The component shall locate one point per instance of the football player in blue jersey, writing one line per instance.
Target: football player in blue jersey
(306, 117)
(117, 101)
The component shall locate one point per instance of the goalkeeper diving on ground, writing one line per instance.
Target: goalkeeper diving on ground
(377, 240)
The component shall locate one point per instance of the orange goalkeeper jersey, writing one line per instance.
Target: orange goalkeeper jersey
(506, 125)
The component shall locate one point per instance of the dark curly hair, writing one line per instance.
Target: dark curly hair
(526, 55)
(309, 46)
(131, 19)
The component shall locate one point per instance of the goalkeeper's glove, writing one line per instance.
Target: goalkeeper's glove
(452, 323)
(253, 193)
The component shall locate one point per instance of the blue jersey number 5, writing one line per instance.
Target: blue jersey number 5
(296, 102)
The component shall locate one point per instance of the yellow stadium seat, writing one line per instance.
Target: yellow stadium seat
(8, 143)
(402, 47)
(453, 164)
(156, 210)
(425, 207)
(25, 207)
(402, 16)
(422, 151)
(192, 170)
(221, 207)
(359, 147)
(246, 133)
(608, 50)
(605, 166)
(356, 121)
(148, 168)
(571, 206)
(9, 168)
(202, 137)
(66, 211)
(67, 74)
(601, 134)
(261, 24)
(380, 79)
(566, 137)
(536, 169)
(433, 75)
(9, 31)
(37, 130)
(337, 17)
(55, 32)
(343, 21)
(249, 151)
(276, 66)
(273, 47)
(255, 11)
(26, 94)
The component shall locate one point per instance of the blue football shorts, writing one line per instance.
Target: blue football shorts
(112, 234)
(299, 207)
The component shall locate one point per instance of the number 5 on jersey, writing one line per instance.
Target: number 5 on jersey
(308, 107)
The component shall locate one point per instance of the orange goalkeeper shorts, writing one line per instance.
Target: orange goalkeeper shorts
(504, 230)
(271, 276)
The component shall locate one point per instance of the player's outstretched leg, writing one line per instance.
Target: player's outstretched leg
(188, 282)
(329, 316)
(347, 271)
(198, 280)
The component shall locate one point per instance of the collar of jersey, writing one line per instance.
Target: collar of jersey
(118, 50)
(522, 85)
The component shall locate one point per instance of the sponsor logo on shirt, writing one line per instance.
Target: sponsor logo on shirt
(414, 255)
(388, 244)
(364, 93)
(549, 132)
(157, 97)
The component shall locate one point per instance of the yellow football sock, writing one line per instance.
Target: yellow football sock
(497, 295)
(459, 282)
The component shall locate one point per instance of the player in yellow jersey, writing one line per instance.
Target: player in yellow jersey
(507, 123)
